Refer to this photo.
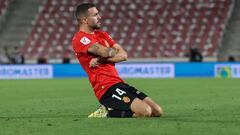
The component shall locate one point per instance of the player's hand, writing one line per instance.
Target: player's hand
(94, 63)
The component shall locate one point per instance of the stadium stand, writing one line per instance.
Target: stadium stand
(145, 28)
(230, 48)
(3, 6)
(17, 23)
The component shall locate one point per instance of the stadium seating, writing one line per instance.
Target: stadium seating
(3, 6)
(145, 28)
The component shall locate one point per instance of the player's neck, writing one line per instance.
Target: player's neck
(86, 29)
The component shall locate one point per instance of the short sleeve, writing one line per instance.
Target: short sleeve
(108, 38)
(81, 43)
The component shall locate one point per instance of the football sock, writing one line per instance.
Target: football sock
(119, 114)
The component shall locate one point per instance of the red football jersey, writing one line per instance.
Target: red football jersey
(103, 76)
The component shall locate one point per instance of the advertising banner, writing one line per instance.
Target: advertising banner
(26, 71)
(227, 70)
(146, 70)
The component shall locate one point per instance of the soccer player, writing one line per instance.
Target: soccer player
(97, 52)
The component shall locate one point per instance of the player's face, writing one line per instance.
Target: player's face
(93, 19)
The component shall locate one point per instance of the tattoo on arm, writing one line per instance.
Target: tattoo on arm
(96, 50)
(101, 51)
(111, 52)
(94, 47)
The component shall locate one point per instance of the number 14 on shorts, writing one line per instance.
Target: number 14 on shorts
(120, 93)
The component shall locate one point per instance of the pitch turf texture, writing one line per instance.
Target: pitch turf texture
(61, 106)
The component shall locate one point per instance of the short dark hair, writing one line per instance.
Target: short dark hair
(82, 10)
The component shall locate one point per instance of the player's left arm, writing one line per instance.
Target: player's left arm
(121, 55)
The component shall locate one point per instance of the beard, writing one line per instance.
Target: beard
(96, 26)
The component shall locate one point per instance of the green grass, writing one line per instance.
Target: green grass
(60, 107)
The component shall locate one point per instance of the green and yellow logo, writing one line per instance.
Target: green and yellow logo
(224, 72)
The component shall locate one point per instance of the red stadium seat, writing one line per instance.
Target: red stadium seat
(4, 4)
(146, 29)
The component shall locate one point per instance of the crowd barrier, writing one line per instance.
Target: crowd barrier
(126, 70)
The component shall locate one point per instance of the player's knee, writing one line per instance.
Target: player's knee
(140, 108)
(158, 112)
(147, 112)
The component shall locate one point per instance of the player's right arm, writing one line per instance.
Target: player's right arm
(101, 51)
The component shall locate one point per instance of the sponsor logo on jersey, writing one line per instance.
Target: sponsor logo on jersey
(85, 41)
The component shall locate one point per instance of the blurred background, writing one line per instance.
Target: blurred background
(40, 31)
(193, 41)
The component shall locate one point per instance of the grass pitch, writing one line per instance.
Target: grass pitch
(61, 106)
